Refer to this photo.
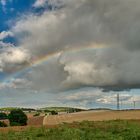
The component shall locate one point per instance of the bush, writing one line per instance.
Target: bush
(54, 112)
(71, 110)
(37, 114)
(3, 116)
(3, 124)
(17, 118)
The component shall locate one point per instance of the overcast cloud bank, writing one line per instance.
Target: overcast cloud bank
(78, 24)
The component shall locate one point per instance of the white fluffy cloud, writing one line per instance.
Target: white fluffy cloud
(12, 59)
(39, 3)
(15, 56)
(112, 99)
(5, 34)
(4, 45)
(53, 3)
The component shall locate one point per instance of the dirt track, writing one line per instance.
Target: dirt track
(91, 116)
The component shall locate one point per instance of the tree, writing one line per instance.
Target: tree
(3, 124)
(54, 112)
(3, 116)
(17, 118)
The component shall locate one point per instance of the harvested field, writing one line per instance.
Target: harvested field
(53, 120)
(92, 116)
(35, 121)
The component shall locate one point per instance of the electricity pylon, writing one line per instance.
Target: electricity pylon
(118, 102)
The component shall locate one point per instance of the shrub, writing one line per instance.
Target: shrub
(17, 118)
(54, 112)
(3, 124)
(71, 110)
(37, 114)
(3, 116)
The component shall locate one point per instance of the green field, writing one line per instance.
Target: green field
(109, 130)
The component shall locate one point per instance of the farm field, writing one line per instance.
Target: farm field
(102, 130)
(54, 120)
(101, 115)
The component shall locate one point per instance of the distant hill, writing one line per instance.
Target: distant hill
(45, 109)
(49, 109)
(100, 109)
(62, 109)
(11, 108)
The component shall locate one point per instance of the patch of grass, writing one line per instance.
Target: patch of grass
(106, 130)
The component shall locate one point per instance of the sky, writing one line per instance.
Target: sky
(77, 53)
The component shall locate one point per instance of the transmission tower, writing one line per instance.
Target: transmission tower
(134, 103)
(118, 102)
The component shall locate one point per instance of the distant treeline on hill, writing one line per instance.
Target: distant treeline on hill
(12, 108)
(58, 109)
(62, 109)
(100, 109)
(28, 109)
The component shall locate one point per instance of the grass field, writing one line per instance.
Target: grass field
(106, 130)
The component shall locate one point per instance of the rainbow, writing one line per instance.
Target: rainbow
(39, 60)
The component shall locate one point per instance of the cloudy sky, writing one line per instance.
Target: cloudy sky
(78, 53)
